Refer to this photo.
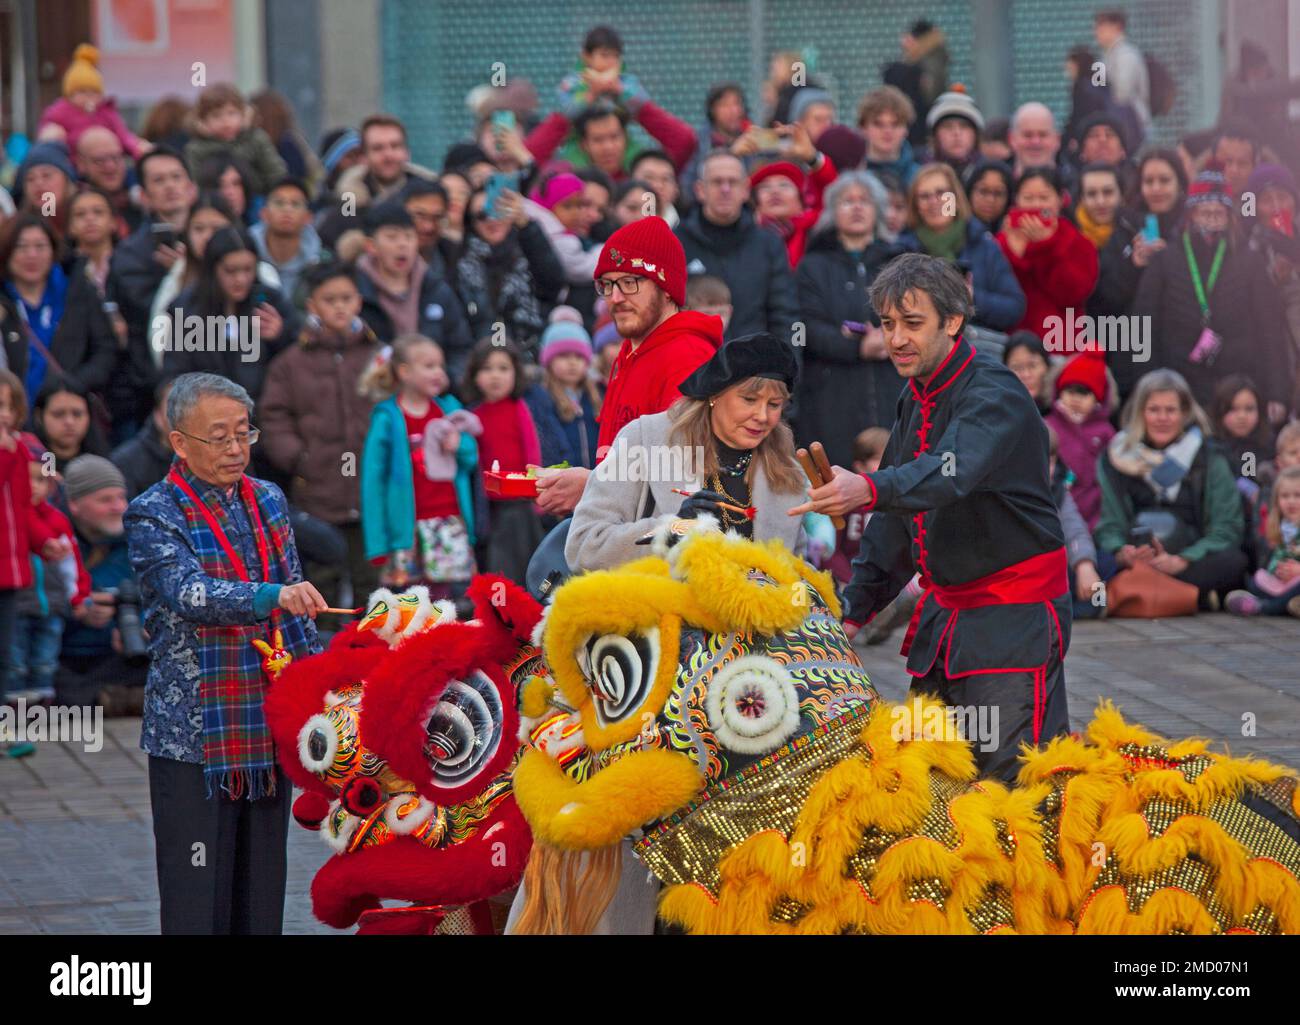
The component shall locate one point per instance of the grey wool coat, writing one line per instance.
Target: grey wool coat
(621, 505)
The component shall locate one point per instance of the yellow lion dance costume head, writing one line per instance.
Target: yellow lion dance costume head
(707, 705)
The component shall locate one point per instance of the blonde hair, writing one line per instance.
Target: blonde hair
(17, 398)
(565, 407)
(1273, 527)
(560, 902)
(951, 183)
(1289, 435)
(1132, 422)
(379, 381)
(693, 429)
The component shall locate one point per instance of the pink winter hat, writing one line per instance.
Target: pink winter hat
(564, 337)
(558, 189)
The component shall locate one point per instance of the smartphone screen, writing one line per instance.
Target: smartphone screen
(496, 184)
(163, 234)
(1151, 230)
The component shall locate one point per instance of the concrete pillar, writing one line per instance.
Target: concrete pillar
(250, 45)
(293, 46)
(351, 61)
(994, 62)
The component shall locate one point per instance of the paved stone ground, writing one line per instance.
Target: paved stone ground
(76, 841)
(1196, 676)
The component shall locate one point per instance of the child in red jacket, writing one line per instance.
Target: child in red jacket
(22, 532)
(493, 388)
(57, 589)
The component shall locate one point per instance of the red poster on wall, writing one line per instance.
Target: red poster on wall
(153, 48)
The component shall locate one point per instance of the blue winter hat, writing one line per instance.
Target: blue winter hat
(340, 148)
(53, 154)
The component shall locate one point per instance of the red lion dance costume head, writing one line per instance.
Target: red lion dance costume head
(403, 736)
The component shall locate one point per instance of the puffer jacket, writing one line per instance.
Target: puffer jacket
(999, 299)
(313, 417)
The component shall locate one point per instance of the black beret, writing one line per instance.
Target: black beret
(757, 355)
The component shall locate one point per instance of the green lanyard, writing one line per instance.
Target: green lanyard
(1196, 273)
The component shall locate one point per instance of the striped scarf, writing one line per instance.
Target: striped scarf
(238, 755)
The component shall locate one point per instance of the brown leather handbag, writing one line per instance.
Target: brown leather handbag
(1143, 592)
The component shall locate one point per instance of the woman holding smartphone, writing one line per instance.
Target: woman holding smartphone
(1157, 206)
(1167, 493)
(1207, 305)
(227, 287)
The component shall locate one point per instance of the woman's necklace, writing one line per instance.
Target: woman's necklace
(735, 471)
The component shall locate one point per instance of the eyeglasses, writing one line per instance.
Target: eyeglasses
(286, 204)
(628, 285)
(242, 439)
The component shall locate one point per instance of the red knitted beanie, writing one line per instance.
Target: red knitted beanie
(1087, 369)
(649, 249)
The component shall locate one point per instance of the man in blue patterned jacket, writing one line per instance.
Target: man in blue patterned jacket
(214, 554)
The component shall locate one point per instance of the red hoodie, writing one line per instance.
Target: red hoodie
(60, 526)
(649, 379)
(21, 531)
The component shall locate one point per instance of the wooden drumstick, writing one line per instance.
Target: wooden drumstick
(809, 467)
(823, 464)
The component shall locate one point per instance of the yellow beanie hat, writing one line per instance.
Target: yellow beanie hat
(82, 72)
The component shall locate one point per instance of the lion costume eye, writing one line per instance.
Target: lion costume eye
(464, 729)
(620, 671)
(318, 743)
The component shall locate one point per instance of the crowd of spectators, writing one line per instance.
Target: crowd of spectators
(405, 328)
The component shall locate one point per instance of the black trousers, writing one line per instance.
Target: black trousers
(1020, 702)
(515, 533)
(222, 864)
(1218, 571)
(81, 677)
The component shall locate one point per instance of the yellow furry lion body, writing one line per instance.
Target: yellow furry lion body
(717, 715)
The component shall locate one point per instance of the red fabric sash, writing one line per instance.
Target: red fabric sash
(1038, 578)
(250, 502)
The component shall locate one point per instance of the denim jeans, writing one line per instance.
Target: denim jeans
(34, 653)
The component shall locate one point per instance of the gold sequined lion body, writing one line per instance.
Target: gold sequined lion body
(707, 705)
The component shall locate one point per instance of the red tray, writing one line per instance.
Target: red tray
(505, 485)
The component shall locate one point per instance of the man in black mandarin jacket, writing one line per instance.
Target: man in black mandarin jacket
(962, 497)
